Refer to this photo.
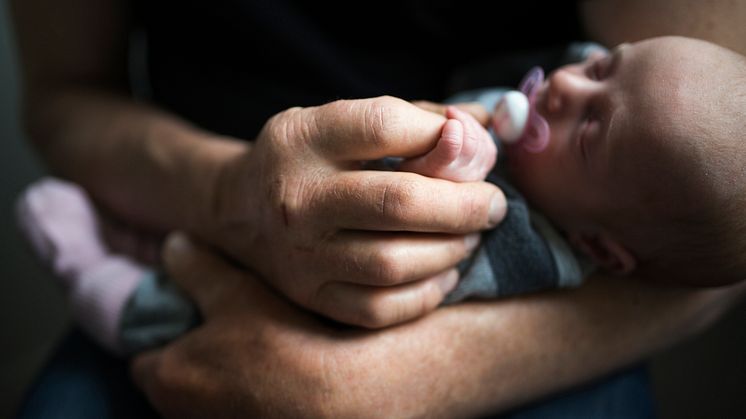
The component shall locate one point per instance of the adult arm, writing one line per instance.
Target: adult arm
(147, 166)
(373, 248)
(256, 355)
(612, 22)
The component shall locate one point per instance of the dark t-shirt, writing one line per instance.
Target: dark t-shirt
(227, 65)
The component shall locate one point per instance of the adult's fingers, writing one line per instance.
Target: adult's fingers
(387, 259)
(144, 369)
(474, 108)
(201, 273)
(207, 279)
(400, 201)
(370, 129)
(377, 307)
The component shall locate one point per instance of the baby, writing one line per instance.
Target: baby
(645, 170)
(642, 171)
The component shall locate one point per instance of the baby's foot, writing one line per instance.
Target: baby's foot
(465, 151)
(67, 233)
(60, 223)
(64, 230)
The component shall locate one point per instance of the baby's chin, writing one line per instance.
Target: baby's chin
(521, 168)
(526, 169)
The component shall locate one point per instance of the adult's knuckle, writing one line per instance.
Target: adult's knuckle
(163, 382)
(430, 297)
(289, 128)
(293, 200)
(397, 199)
(388, 265)
(470, 211)
(383, 120)
(274, 131)
(374, 312)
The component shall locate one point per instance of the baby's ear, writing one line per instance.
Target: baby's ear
(605, 251)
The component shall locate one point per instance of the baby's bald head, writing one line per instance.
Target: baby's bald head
(685, 167)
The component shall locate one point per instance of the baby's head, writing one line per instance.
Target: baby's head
(646, 166)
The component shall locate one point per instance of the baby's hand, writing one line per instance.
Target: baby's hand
(465, 151)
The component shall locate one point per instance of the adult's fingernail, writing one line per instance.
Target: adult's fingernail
(178, 242)
(471, 241)
(448, 281)
(497, 209)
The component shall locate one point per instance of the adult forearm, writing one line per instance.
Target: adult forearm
(495, 355)
(143, 164)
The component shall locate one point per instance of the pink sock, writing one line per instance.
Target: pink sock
(64, 231)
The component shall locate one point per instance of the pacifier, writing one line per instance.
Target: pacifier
(516, 120)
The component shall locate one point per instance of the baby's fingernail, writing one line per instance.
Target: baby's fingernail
(497, 209)
(448, 282)
(471, 241)
(451, 111)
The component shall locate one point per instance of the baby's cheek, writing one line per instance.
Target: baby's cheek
(527, 170)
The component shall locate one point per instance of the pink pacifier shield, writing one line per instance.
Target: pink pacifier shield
(536, 135)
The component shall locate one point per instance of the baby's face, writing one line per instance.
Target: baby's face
(603, 114)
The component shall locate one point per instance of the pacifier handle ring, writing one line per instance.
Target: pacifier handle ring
(536, 124)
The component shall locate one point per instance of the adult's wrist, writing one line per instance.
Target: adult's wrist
(207, 172)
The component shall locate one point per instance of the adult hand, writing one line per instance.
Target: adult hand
(257, 355)
(369, 248)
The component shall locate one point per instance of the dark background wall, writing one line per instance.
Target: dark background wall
(703, 378)
(32, 313)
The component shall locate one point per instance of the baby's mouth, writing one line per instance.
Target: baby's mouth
(540, 105)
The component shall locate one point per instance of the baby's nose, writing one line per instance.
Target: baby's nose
(567, 89)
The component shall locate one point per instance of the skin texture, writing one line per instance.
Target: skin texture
(261, 355)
